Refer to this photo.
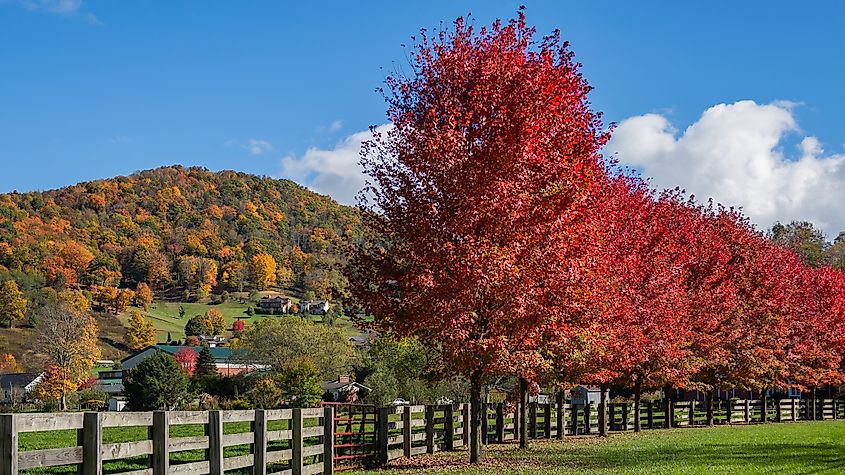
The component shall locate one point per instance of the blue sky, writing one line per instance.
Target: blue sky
(92, 89)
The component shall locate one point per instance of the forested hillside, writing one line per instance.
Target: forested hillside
(185, 232)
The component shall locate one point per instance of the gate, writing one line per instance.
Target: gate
(355, 433)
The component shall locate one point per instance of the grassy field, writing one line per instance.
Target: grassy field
(807, 447)
(165, 316)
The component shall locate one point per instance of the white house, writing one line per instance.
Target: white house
(14, 386)
(314, 307)
(587, 394)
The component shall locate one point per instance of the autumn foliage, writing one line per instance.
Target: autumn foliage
(501, 238)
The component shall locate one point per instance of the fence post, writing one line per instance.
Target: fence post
(429, 429)
(625, 416)
(835, 409)
(547, 419)
(729, 412)
(561, 416)
(500, 423)
(574, 409)
(532, 426)
(747, 411)
(465, 424)
(406, 431)
(328, 440)
(214, 431)
(449, 427)
(8, 444)
(161, 434)
(383, 421)
(777, 410)
(691, 414)
(485, 422)
(92, 439)
(259, 447)
(587, 422)
(650, 414)
(793, 409)
(296, 441)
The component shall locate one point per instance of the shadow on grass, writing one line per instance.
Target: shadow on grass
(765, 449)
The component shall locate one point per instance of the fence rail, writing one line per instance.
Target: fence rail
(311, 441)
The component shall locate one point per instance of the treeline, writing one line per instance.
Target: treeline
(184, 232)
(507, 244)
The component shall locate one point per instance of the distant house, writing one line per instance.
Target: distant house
(587, 394)
(213, 341)
(276, 304)
(363, 340)
(314, 307)
(343, 389)
(14, 386)
(227, 361)
(110, 381)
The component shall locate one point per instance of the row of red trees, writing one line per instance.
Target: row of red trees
(501, 238)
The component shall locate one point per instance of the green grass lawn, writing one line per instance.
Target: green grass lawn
(806, 447)
(165, 316)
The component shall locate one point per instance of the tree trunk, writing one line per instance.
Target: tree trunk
(638, 392)
(523, 413)
(763, 410)
(813, 400)
(603, 411)
(708, 396)
(667, 407)
(475, 418)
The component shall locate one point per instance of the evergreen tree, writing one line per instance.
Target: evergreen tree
(156, 383)
(205, 363)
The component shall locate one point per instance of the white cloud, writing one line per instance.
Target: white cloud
(734, 154)
(335, 172)
(336, 125)
(258, 147)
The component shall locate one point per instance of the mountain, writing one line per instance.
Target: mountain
(187, 233)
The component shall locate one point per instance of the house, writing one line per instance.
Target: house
(213, 341)
(363, 340)
(228, 362)
(110, 381)
(343, 389)
(14, 386)
(276, 304)
(117, 403)
(314, 307)
(587, 395)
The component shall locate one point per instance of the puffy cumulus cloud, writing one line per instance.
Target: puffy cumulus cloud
(734, 154)
(334, 172)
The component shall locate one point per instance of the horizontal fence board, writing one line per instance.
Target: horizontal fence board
(187, 443)
(238, 416)
(126, 449)
(312, 431)
(242, 461)
(191, 468)
(312, 450)
(278, 414)
(37, 422)
(279, 455)
(188, 417)
(312, 469)
(124, 419)
(274, 435)
(49, 457)
(418, 450)
(238, 439)
(312, 413)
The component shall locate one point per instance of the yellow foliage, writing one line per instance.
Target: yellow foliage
(262, 270)
(141, 333)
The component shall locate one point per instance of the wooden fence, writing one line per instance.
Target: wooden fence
(302, 441)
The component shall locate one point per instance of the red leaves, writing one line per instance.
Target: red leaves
(500, 239)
